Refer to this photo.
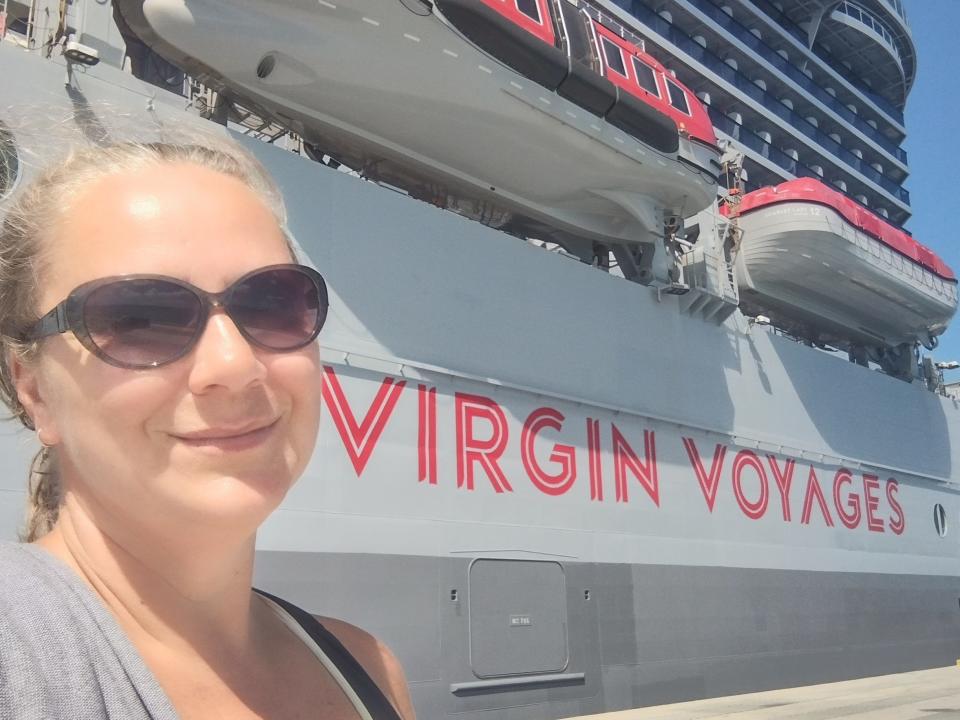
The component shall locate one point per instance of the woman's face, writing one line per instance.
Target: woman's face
(126, 439)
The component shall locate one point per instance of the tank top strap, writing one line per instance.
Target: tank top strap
(363, 685)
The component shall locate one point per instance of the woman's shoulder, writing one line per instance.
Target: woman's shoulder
(61, 653)
(38, 642)
(39, 600)
(30, 581)
(44, 605)
(17, 557)
(377, 659)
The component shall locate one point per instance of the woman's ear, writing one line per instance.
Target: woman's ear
(28, 381)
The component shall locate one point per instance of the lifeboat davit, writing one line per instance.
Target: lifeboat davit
(829, 270)
(532, 112)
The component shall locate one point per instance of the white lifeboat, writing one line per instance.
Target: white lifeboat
(828, 270)
(531, 112)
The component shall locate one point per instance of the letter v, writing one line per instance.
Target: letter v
(360, 438)
(708, 483)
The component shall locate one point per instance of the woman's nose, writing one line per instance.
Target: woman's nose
(224, 358)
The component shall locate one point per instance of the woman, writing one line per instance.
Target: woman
(175, 411)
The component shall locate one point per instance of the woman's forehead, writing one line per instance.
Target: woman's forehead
(173, 219)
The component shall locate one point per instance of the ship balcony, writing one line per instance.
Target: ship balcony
(867, 39)
(834, 72)
(772, 163)
(796, 127)
(871, 48)
(708, 73)
(819, 150)
(853, 16)
(764, 56)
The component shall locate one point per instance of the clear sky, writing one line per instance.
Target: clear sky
(933, 142)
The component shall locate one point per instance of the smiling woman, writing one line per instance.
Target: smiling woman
(160, 338)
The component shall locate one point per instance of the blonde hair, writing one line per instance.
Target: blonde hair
(26, 225)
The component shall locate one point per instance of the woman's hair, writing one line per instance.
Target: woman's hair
(24, 238)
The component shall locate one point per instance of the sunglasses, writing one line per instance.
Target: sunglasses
(145, 321)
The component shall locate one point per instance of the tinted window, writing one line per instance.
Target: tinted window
(614, 57)
(678, 98)
(646, 77)
(529, 8)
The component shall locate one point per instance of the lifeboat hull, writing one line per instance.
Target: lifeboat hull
(411, 101)
(815, 274)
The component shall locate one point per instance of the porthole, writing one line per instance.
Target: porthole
(9, 162)
(940, 520)
(266, 66)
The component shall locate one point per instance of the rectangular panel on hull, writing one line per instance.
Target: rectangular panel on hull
(518, 617)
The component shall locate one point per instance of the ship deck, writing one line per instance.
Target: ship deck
(905, 696)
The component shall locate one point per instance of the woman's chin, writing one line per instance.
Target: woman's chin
(239, 501)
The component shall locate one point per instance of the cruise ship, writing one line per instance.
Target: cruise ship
(628, 390)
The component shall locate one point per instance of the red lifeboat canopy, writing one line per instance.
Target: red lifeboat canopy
(522, 34)
(814, 191)
(532, 15)
(639, 74)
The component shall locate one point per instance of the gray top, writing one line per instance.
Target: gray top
(62, 654)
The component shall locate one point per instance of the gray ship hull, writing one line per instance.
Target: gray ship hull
(649, 635)
(553, 491)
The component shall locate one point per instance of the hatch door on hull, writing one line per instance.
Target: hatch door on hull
(518, 617)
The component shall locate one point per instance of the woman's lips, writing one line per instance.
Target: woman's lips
(228, 440)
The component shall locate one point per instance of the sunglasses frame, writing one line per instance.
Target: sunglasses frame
(69, 313)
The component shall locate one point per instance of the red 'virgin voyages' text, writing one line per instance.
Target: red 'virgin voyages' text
(760, 484)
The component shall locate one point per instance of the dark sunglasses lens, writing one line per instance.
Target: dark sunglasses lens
(139, 323)
(279, 309)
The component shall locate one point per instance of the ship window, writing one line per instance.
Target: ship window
(940, 520)
(614, 57)
(646, 77)
(678, 98)
(9, 162)
(530, 9)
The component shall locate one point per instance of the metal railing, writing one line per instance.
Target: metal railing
(861, 15)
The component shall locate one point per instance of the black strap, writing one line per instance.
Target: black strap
(363, 685)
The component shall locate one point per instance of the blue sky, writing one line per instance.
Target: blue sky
(933, 142)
